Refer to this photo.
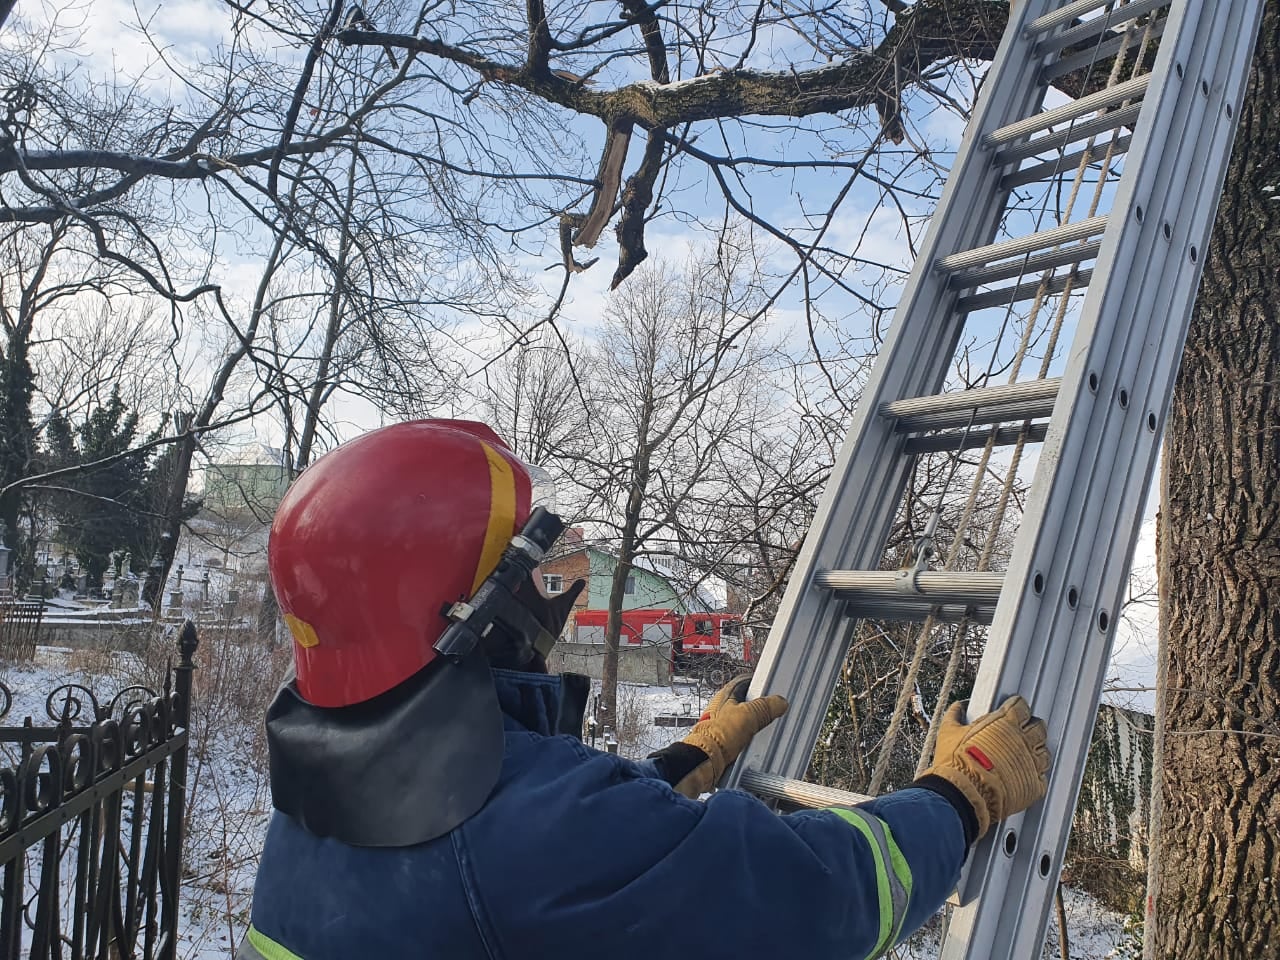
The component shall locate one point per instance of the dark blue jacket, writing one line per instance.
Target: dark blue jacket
(585, 854)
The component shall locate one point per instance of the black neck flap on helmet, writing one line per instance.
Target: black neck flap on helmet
(413, 763)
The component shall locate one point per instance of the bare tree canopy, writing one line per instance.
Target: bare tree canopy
(484, 102)
(666, 69)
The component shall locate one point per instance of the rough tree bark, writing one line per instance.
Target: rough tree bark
(1215, 867)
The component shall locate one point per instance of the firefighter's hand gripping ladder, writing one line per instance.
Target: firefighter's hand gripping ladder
(1163, 81)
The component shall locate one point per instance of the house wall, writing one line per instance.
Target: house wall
(1114, 806)
(572, 566)
(1107, 852)
(232, 488)
(596, 567)
(649, 663)
(651, 591)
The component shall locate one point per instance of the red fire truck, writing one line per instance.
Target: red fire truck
(709, 645)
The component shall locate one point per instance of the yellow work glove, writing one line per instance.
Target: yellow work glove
(720, 736)
(998, 762)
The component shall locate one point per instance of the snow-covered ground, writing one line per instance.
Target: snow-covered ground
(1093, 933)
(230, 802)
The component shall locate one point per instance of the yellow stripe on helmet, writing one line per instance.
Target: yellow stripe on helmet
(502, 514)
(303, 632)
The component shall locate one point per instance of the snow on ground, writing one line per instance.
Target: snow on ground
(1092, 930)
(230, 803)
(639, 704)
(1093, 933)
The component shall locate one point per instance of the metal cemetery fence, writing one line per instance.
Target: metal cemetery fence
(91, 816)
(19, 625)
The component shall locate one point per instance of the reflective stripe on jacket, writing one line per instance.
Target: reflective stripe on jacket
(581, 853)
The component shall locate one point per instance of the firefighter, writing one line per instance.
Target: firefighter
(441, 804)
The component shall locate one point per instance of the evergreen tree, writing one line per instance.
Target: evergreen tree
(109, 506)
(16, 385)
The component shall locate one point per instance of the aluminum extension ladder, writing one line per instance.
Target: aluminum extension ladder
(1052, 612)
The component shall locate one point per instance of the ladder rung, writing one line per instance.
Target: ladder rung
(1019, 246)
(1057, 18)
(1096, 25)
(1114, 120)
(1030, 391)
(1077, 253)
(802, 794)
(1001, 413)
(1101, 100)
(1067, 164)
(895, 586)
(970, 439)
(1100, 54)
(1023, 291)
(901, 612)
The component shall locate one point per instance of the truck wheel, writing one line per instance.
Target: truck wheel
(718, 675)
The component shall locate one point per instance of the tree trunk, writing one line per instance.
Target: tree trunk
(608, 710)
(192, 425)
(175, 501)
(1215, 864)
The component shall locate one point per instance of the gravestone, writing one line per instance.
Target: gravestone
(229, 604)
(126, 593)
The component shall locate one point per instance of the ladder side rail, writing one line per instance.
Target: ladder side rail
(1041, 645)
(915, 360)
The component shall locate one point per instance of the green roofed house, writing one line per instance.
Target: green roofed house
(244, 491)
(646, 589)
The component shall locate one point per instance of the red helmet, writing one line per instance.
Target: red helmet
(376, 537)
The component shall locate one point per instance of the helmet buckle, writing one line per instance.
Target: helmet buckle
(471, 621)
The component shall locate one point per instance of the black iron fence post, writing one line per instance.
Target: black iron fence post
(188, 641)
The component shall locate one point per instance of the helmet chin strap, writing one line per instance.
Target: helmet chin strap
(508, 617)
(530, 624)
